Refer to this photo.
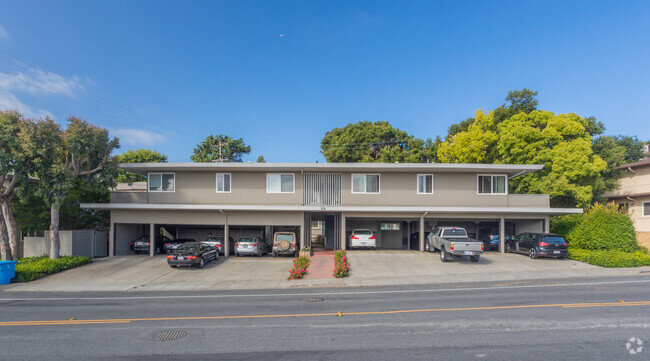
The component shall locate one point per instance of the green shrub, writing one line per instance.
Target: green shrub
(562, 225)
(612, 259)
(299, 268)
(32, 268)
(604, 227)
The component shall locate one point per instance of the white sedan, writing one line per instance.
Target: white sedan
(362, 238)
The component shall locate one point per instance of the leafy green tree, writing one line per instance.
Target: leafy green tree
(260, 159)
(220, 147)
(12, 175)
(563, 144)
(58, 158)
(137, 156)
(475, 145)
(368, 142)
(615, 151)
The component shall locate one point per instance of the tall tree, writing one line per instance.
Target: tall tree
(220, 147)
(563, 144)
(475, 145)
(260, 159)
(137, 156)
(60, 157)
(615, 151)
(369, 142)
(12, 174)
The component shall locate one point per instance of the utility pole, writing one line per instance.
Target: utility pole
(220, 146)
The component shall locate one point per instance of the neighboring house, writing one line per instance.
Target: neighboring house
(646, 149)
(633, 194)
(399, 202)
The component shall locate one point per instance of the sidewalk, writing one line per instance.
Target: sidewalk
(368, 268)
(321, 266)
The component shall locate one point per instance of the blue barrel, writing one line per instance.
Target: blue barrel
(7, 271)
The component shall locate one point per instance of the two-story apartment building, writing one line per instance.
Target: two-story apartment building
(633, 194)
(400, 203)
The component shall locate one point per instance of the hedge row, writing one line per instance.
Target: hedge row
(32, 268)
(611, 258)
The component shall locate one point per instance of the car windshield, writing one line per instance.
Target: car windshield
(187, 249)
(284, 237)
(363, 232)
(454, 232)
(554, 240)
(215, 239)
(247, 239)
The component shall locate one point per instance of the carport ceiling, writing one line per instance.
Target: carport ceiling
(511, 169)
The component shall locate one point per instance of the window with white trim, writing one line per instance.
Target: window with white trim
(425, 183)
(280, 183)
(223, 182)
(646, 209)
(161, 182)
(365, 183)
(492, 184)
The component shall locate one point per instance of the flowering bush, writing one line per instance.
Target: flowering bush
(341, 265)
(299, 268)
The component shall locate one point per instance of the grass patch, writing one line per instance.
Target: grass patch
(611, 258)
(32, 268)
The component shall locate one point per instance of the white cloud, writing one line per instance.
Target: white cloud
(139, 137)
(35, 82)
(3, 34)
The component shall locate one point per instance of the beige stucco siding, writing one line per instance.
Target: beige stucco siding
(396, 189)
(246, 188)
(207, 218)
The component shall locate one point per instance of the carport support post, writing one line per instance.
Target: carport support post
(502, 235)
(421, 234)
(152, 240)
(226, 239)
(343, 242)
(547, 226)
(111, 240)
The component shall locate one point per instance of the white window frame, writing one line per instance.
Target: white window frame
(161, 174)
(417, 184)
(478, 184)
(365, 183)
(643, 209)
(293, 178)
(216, 179)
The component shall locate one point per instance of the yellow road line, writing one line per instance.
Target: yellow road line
(338, 314)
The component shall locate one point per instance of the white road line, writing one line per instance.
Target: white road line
(349, 293)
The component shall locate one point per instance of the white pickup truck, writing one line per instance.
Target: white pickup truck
(453, 241)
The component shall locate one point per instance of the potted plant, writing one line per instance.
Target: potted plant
(305, 252)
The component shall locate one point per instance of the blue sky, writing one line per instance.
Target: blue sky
(164, 75)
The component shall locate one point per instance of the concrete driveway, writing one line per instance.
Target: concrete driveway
(368, 268)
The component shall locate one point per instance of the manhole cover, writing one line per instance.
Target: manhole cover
(169, 336)
(312, 299)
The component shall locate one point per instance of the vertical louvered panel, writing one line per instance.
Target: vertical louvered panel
(322, 189)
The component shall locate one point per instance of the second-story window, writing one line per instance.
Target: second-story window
(280, 183)
(425, 183)
(365, 183)
(223, 182)
(492, 184)
(161, 182)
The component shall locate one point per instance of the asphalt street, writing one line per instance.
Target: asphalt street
(577, 319)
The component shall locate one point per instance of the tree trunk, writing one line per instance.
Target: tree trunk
(5, 250)
(12, 226)
(54, 231)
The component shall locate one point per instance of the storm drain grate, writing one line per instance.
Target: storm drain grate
(312, 299)
(169, 336)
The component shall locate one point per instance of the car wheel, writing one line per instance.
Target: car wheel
(201, 262)
(426, 247)
(443, 255)
(474, 258)
(158, 251)
(532, 253)
(173, 266)
(274, 254)
(259, 253)
(508, 250)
